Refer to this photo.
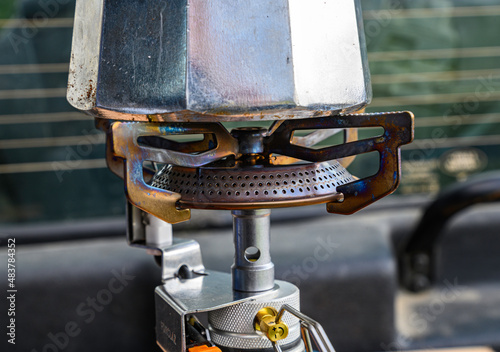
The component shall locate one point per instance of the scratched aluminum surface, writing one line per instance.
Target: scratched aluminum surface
(83, 70)
(218, 60)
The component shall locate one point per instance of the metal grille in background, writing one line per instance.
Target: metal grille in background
(437, 58)
(51, 157)
(441, 60)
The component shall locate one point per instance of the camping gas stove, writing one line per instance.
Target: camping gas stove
(163, 78)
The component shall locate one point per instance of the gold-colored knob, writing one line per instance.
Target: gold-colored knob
(265, 321)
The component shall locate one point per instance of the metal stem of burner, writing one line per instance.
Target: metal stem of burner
(250, 144)
(253, 270)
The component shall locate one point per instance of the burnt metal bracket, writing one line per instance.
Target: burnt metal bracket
(417, 259)
(126, 155)
(398, 130)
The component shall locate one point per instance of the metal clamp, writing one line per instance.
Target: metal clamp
(179, 257)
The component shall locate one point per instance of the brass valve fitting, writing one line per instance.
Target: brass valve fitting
(265, 322)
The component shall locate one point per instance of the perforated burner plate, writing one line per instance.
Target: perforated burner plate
(254, 187)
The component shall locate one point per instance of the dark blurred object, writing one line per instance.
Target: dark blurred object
(418, 256)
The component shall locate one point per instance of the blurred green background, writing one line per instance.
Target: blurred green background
(439, 59)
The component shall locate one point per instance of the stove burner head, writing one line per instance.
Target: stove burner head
(253, 168)
(254, 188)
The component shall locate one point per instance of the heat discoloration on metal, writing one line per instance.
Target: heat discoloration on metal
(350, 135)
(115, 163)
(398, 130)
(125, 142)
(126, 156)
(220, 116)
(229, 188)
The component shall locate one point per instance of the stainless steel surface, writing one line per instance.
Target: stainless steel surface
(178, 298)
(209, 292)
(314, 328)
(136, 233)
(150, 233)
(329, 56)
(233, 326)
(198, 60)
(181, 253)
(252, 270)
(147, 231)
(158, 232)
(238, 188)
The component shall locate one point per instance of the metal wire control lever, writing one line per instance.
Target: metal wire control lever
(269, 322)
(309, 329)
